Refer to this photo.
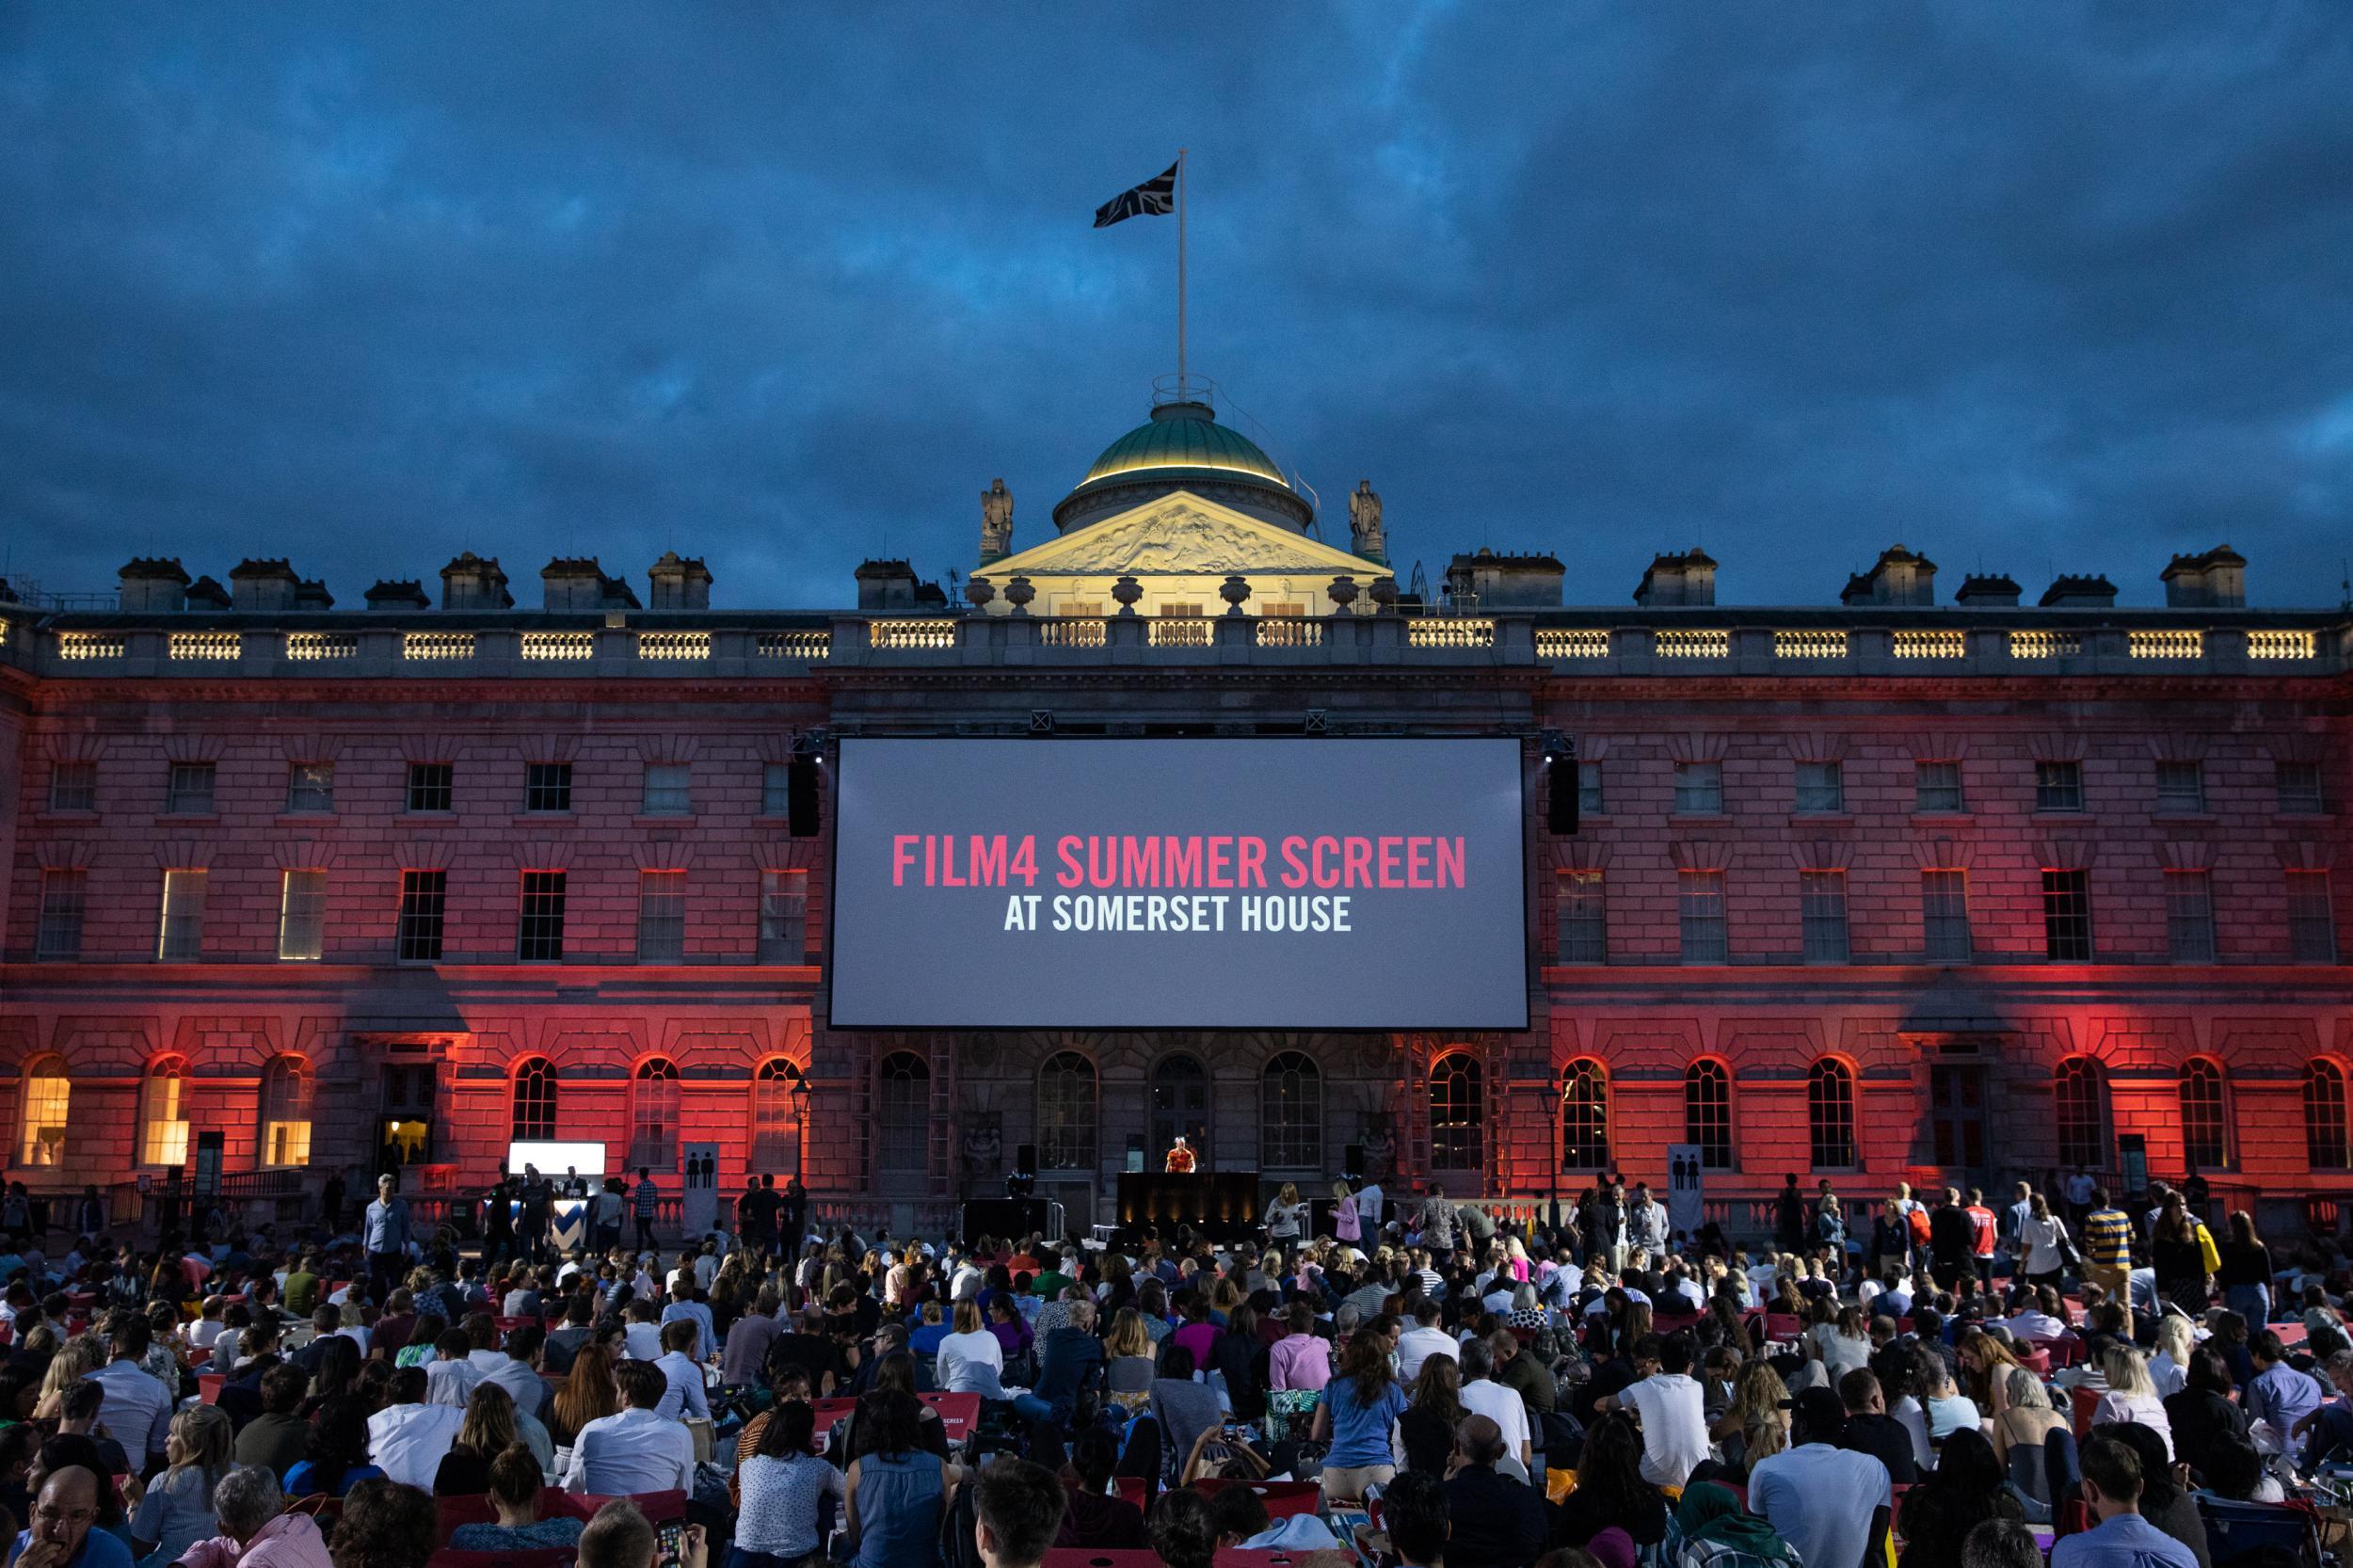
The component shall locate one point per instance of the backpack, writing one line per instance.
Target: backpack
(1918, 1222)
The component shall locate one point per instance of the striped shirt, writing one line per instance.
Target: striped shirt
(2108, 1238)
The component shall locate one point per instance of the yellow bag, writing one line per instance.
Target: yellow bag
(2208, 1252)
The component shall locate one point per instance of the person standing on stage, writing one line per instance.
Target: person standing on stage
(538, 1200)
(385, 1236)
(793, 1217)
(1180, 1161)
(1286, 1215)
(498, 1221)
(645, 1203)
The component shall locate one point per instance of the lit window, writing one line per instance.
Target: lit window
(286, 1113)
(1699, 788)
(1945, 917)
(548, 787)
(539, 927)
(669, 790)
(784, 916)
(1707, 1113)
(1822, 916)
(534, 1121)
(660, 916)
(1583, 935)
(1821, 788)
(1458, 1113)
(302, 914)
(432, 786)
(2189, 917)
(2181, 788)
(1067, 1114)
(2324, 1116)
(2058, 786)
(63, 897)
(188, 790)
(311, 786)
(1936, 789)
(74, 787)
(1290, 1113)
(2312, 918)
(653, 1116)
(1700, 899)
(163, 1123)
(1829, 1115)
(48, 1098)
(1585, 1117)
(2206, 1124)
(2067, 917)
(2079, 1103)
(180, 938)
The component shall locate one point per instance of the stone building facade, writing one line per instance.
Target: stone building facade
(1894, 890)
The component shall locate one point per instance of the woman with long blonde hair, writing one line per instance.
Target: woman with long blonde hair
(2168, 1368)
(2130, 1396)
(82, 1356)
(1347, 1224)
(1286, 1216)
(487, 1432)
(1754, 1426)
(176, 1510)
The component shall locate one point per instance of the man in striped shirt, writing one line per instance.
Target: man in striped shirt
(2108, 1245)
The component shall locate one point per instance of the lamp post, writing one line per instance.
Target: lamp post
(800, 1120)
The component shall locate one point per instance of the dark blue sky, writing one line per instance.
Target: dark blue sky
(2026, 286)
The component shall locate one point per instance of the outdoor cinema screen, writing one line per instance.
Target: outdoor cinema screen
(1179, 884)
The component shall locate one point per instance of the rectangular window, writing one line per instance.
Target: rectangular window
(302, 914)
(181, 937)
(2189, 917)
(1945, 916)
(540, 929)
(2299, 784)
(784, 916)
(2058, 786)
(1821, 787)
(58, 937)
(1584, 931)
(1589, 795)
(311, 786)
(2181, 788)
(1276, 608)
(660, 916)
(189, 791)
(1181, 612)
(548, 787)
(422, 895)
(432, 786)
(2312, 921)
(776, 790)
(74, 787)
(1701, 907)
(1822, 916)
(1699, 788)
(669, 790)
(1936, 789)
(2067, 917)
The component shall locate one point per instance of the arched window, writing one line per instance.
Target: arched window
(1290, 1113)
(1180, 1103)
(903, 1114)
(1829, 1114)
(2206, 1128)
(779, 1094)
(653, 1116)
(2079, 1110)
(2324, 1116)
(1458, 1097)
(535, 1100)
(48, 1096)
(1584, 1116)
(1707, 1112)
(1065, 1113)
(163, 1114)
(286, 1113)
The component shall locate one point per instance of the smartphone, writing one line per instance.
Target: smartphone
(671, 1536)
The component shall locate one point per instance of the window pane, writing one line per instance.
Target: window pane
(311, 786)
(1829, 1115)
(2312, 921)
(1822, 908)
(1589, 800)
(1821, 787)
(669, 790)
(2206, 1142)
(2058, 786)
(535, 1100)
(1699, 788)
(2300, 785)
(539, 938)
(74, 787)
(1583, 935)
(2323, 1117)
(2189, 917)
(777, 1104)
(63, 896)
(1701, 898)
(48, 1096)
(181, 937)
(1936, 787)
(302, 914)
(1945, 916)
(2078, 1102)
(189, 790)
(653, 1116)
(660, 916)
(1290, 1113)
(1584, 1117)
(1065, 1113)
(784, 916)
(2067, 917)
(1707, 1113)
(2181, 787)
(285, 1113)
(548, 787)
(776, 790)
(432, 786)
(1457, 1111)
(421, 906)
(903, 1114)
(163, 1130)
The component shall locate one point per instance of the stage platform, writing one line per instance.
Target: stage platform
(1220, 1205)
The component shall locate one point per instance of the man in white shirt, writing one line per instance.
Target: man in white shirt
(684, 1307)
(636, 1451)
(1817, 1496)
(1369, 1201)
(641, 1341)
(1669, 1401)
(409, 1438)
(138, 1408)
(681, 1373)
(451, 1375)
(1482, 1396)
(1422, 1341)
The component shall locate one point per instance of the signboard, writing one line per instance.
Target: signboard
(698, 1178)
(1180, 883)
(1687, 1206)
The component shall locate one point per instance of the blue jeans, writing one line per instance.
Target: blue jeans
(1032, 1408)
(2251, 1302)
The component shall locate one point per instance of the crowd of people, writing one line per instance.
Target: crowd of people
(1600, 1394)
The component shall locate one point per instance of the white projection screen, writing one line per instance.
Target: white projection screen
(1180, 883)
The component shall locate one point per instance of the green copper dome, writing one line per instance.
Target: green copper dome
(1183, 448)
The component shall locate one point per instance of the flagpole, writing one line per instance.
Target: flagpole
(1181, 390)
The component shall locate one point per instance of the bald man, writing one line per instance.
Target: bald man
(1496, 1522)
(61, 1536)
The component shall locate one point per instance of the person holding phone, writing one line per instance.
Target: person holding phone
(620, 1537)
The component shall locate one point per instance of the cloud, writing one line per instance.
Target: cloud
(2032, 287)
